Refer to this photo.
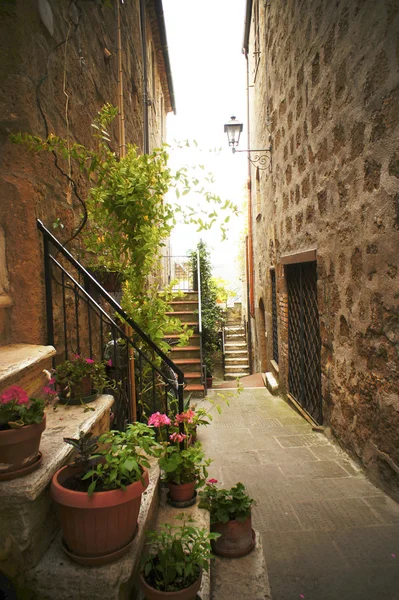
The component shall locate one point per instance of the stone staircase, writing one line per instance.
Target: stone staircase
(236, 361)
(188, 357)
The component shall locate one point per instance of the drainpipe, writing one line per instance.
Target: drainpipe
(146, 141)
(250, 261)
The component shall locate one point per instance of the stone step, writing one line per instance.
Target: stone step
(28, 522)
(23, 364)
(184, 352)
(192, 364)
(235, 336)
(236, 366)
(191, 305)
(244, 577)
(174, 339)
(237, 353)
(234, 329)
(229, 376)
(235, 345)
(185, 316)
(240, 360)
(271, 383)
(57, 577)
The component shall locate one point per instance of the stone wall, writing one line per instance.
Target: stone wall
(58, 67)
(327, 92)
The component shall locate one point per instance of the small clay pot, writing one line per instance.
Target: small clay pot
(189, 593)
(19, 448)
(236, 539)
(209, 381)
(182, 492)
(80, 392)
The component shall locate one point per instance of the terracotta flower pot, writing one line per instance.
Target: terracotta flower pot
(79, 392)
(182, 492)
(19, 448)
(209, 381)
(236, 539)
(99, 525)
(188, 593)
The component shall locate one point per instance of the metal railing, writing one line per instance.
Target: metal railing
(83, 318)
(179, 270)
(203, 374)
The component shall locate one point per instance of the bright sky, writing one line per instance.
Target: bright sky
(208, 69)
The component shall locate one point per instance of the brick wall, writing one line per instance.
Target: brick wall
(38, 65)
(328, 80)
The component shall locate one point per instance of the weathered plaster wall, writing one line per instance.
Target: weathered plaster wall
(328, 79)
(41, 69)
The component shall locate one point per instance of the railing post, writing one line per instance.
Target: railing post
(200, 316)
(49, 292)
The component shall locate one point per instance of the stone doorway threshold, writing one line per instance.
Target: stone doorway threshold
(251, 381)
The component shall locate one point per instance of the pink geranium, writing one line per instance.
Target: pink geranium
(212, 481)
(177, 437)
(185, 417)
(49, 391)
(109, 363)
(89, 361)
(14, 394)
(157, 419)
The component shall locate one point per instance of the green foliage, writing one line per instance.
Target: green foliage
(226, 505)
(177, 555)
(121, 461)
(86, 445)
(184, 465)
(18, 410)
(212, 313)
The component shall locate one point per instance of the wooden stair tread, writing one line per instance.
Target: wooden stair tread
(185, 349)
(175, 336)
(192, 375)
(183, 302)
(194, 387)
(180, 312)
(187, 361)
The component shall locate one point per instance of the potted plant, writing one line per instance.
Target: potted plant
(98, 496)
(80, 379)
(230, 512)
(184, 466)
(177, 556)
(22, 422)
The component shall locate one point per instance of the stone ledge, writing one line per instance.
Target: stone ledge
(244, 577)
(22, 364)
(56, 576)
(65, 421)
(168, 514)
(271, 383)
(28, 521)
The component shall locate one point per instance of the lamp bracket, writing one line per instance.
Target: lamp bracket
(260, 161)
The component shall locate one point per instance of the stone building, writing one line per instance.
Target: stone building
(323, 90)
(59, 66)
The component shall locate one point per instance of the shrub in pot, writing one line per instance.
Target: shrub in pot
(80, 379)
(98, 496)
(184, 465)
(22, 422)
(177, 556)
(230, 512)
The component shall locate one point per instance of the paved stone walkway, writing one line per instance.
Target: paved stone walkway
(328, 533)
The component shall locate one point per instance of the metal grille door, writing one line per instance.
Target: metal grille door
(304, 369)
(274, 316)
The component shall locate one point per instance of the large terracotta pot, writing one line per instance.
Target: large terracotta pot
(100, 525)
(236, 539)
(182, 492)
(189, 593)
(19, 448)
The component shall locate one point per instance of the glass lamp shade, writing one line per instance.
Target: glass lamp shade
(233, 129)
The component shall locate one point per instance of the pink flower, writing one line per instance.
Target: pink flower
(76, 356)
(185, 417)
(89, 361)
(109, 363)
(49, 391)
(212, 481)
(177, 437)
(14, 394)
(157, 419)
(52, 381)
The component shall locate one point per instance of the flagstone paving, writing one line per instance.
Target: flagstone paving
(327, 532)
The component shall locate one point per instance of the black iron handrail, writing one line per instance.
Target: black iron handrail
(175, 382)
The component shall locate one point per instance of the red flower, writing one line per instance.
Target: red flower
(14, 394)
(212, 481)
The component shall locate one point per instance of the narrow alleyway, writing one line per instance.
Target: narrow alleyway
(328, 533)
